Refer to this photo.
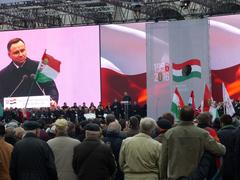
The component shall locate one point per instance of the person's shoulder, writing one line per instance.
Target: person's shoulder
(128, 140)
(181, 129)
(72, 140)
(8, 145)
(78, 146)
(104, 147)
(52, 141)
(63, 139)
(6, 69)
(156, 143)
(31, 62)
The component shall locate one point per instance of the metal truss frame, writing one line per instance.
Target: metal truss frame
(59, 13)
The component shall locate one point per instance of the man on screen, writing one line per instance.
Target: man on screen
(18, 78)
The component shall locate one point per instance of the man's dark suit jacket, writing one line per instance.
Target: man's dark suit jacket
(11, 76)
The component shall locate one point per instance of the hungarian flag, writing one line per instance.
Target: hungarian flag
(207, 99)
(48, 69)
(191, 101)
(186, 70)
(177, 103)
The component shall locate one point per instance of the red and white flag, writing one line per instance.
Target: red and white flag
(207, 99)
(191, 100)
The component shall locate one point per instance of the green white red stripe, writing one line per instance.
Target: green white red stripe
(178, 70)
(177, 103)
(48, 69)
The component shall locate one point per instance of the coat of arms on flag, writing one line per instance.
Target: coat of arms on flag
(186, 70)
(48, 69)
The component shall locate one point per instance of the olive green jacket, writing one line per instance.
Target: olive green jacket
(139, 158)
(183, 147)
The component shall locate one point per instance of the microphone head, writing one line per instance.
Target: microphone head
(24, 76)
(32, 76)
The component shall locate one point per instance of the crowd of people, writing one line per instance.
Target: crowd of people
(116, 142)
(137, 148)
(74, 113)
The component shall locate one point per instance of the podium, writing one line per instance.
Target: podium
(32, 102)
(125, 108)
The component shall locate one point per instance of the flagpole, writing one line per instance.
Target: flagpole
(224, 107)
(30, 90)
(40, 63)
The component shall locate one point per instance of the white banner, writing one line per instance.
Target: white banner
(31, 102)
(227, 102)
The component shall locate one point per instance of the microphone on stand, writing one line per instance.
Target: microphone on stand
(33, 77)
(42, 90)
(19, 84)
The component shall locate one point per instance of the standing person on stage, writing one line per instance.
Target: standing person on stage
(32, 158)
(126, 105)
(21, 72)
(62, 146)
(126, 97)
(116, 108)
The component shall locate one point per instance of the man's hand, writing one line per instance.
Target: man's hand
(53, 104)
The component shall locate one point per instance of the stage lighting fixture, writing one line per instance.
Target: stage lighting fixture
(184, 3)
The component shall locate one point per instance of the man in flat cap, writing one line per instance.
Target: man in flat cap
(62, 146)
(162, 125)
(32, 158)
(92, 159)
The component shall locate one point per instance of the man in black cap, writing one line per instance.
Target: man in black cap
(93, 159)
(32, 158)
(163, 125)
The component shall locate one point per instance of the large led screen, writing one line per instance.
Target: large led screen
(78, 50)
(224, 49)
(123, 62)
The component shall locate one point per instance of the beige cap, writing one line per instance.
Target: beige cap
(61, 123)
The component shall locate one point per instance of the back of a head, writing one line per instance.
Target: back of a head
(19, 132)
(168, 116)
(204, 118)
(226, 119)
(147, 125)
(61, 126)
(114, 127)
(138, 116)
(110, 118)
(92, 131)
(2, 130)
(71, 130)
(10, 132)
(30, 125)
(134, 122)
(187, 113)
(163, 123)
(12, 124)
